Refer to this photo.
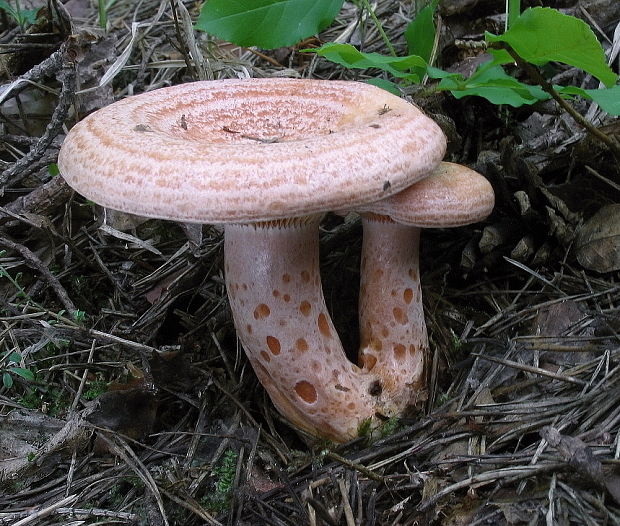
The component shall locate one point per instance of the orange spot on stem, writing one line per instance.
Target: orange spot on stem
(261, 311)
(408, 296)
(400, 316)
(324, 326)
(368, 361)
(306, 391)
(274, 345)
(305, 308)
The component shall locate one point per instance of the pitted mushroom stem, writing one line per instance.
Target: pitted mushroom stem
(275, 293)
(393, 336)
(393, 331)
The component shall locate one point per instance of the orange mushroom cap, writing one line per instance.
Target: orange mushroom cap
(453, 195)
(249, 150)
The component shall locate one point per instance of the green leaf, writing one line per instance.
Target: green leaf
(493, 84)
(21, 16)
(28, 16)
(348, 56)
(53, 170)
(5, 6)
(542, 35)
(266, 23)
(436, 73)
(420, 33)
(513, 11)
(387, 85)
(14, 357)
(7, 380)
(26, 374)
(608, 99)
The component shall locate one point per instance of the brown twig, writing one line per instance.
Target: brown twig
(531, 369)
(356, 466)
(67, 75)
(40, 201)
(33, 261)
(181, 48)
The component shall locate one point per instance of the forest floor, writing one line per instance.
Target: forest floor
(126, 397)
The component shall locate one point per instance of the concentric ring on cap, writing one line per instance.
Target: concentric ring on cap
(453, 195)
(250, 150)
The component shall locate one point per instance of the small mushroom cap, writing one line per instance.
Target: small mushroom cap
(249, 150)
(453, 195)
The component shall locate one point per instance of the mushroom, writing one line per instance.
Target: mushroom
(266, 158)
(392, 328)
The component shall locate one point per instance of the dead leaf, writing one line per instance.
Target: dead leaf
(598, 243)
(558, 318)
(612, 483)
(130, 412)
(578, 455)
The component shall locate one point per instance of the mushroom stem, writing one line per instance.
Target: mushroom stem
(393, 339)
(275, 293)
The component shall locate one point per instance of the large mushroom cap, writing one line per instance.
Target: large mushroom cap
(249, 150)
(453, 195)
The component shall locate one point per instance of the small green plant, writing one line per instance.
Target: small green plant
(53, 170)
(30, 400)
(54, 401)
(11, 366)
(536, 37)
(224, 475)
(365, 428)
(318, 460)
(50, 400)
(457, 343)
(23, 17)
(442, 399)
(103, 7)
(389, 427)
(95, 389)
(13, 280)
(79, 316)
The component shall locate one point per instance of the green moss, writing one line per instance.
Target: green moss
(95, 389)
(224, 479)
(389, 427)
